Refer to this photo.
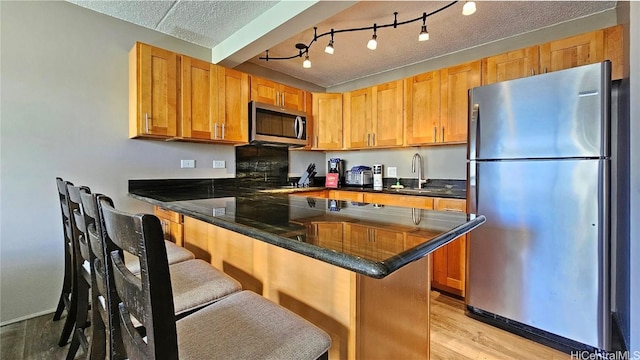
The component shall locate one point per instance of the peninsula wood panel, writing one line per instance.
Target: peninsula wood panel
(511, 65)
(199, 98)
(153, 94)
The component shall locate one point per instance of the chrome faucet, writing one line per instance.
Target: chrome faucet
(417, 157)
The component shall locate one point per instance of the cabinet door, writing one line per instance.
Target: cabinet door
(449, 262)
(292, 98)
(357, 240)
(153, 95)
(233, 123)
(264, 91)
(512, 65)
(455, 84)
(387, 115)
(199, 98)
(327, 234)
(357, 119)
(573, 51)
(613, 50)
(387, 242)
(422, 108)
(327, 121)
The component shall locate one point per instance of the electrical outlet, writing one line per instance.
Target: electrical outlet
(187, 164)
(219, 211)
(392, 171)
(219, 164)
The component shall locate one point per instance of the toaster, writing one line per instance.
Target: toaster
(358, 178)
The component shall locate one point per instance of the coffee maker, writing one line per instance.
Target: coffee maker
(335, 173)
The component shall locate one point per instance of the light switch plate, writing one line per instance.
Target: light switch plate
(187, 164)
(219, 164)
(392, 171)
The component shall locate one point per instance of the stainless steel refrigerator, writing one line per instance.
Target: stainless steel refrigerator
(539, 170)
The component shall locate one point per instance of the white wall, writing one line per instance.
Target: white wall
(634, 237)
(64, 112)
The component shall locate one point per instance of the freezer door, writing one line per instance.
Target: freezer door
(559, 114)
(542, 256)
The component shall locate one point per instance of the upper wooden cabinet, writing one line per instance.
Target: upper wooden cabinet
(573, 51)
(153, 92)
(373, 116)
(455, 83)
(327, 121)
(271, 92)
(233, 110)
(422, 108)
(199, 99)
(511, 65)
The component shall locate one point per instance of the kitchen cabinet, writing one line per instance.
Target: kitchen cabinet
(199, 99)
(371, 241)
(455, 83)
(510, 65)
(572, 51)
(346, 195)
(326, 233)
(232, 124)
(449, 262)
(153, 92)
(172, 226)
(613, 50)
(422, 107)
(327, 121)
(373, 117)
(271, 92)
(418, 202)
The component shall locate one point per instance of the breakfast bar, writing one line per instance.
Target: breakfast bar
(360, 271)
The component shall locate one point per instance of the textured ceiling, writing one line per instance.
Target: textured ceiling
(209, 23)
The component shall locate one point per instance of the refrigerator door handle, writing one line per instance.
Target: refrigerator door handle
(473, 187)
(473, 131)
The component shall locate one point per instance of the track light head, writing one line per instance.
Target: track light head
(424, 34)
(373, 43)
(469, 8)
(329, 49)
(306, 63)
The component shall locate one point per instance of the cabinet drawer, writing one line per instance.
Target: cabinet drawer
(418, 202)
(167, 214)
(346, 195)
(457, 205)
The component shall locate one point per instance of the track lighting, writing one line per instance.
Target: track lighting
(329, 48)
(469, 8)
(373, 43)
(303, 49)
(424, 34)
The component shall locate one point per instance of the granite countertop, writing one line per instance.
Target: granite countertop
(286, 220)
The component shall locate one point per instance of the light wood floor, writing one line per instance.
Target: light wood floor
(454, 336)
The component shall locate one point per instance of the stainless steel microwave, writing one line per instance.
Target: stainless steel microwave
(273, 125)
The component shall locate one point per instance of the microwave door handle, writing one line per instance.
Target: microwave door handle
(297, 127)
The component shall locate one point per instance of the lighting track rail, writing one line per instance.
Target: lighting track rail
(468, 9)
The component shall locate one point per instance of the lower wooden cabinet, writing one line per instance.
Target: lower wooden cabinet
(448, 264)
(172, 225)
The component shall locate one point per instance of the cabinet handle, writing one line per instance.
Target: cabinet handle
(146, 122)
(435, 134)
(368, 136)
(223, 131)
(215, 130)
(449, 209)
(373, 139)
(533, 72)
(316, 145)
(443, 134)
(282, 99)
(545, 70)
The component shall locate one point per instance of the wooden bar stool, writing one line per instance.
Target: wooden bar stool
(67, 300)
(243, 325)
(196, 283)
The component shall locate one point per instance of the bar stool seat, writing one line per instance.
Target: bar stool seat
(175, 254)
(247, 326)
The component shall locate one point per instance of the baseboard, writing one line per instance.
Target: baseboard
(27, 317)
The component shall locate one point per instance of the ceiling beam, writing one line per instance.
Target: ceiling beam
(275, 25)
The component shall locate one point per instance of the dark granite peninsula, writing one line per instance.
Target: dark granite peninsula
(357, 270)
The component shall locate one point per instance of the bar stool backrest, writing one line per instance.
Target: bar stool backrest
(147, 299)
